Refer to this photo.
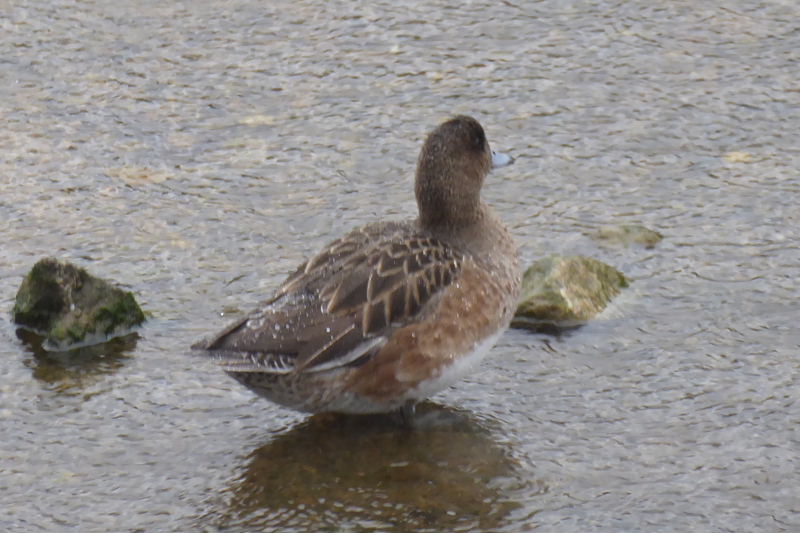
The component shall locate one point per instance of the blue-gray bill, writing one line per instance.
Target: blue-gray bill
(500, 159)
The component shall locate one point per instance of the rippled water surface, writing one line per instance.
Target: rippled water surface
(196, 151)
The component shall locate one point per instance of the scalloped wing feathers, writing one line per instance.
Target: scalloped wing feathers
(339, 307)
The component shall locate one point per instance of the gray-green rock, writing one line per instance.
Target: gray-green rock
(69, 306)
(627, 234)
(565, 291)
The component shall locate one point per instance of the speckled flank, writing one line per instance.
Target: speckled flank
(476, 308)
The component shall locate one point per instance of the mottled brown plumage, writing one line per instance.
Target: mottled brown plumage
(391, 312)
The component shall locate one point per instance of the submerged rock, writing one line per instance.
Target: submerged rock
(627, 234)
(78, 368)
(565, 291)
(70, 307)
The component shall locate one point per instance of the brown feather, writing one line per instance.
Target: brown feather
(356, 289)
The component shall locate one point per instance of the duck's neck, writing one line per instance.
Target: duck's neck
(476, 228)
(451, 218)
(448, 200)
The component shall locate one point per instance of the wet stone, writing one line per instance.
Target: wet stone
(70, 307)
(566, 291)
(628, 234)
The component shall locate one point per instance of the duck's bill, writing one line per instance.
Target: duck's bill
(500, 159)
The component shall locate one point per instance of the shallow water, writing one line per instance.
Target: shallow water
(195, 152)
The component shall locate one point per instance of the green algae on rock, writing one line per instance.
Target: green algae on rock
(627, 234)
(565, 291)
(70, 307)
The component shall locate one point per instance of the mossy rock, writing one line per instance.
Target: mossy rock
(566, 291)
(627, 234)
(69, 306)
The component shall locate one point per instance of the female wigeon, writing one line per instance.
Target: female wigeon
(392, 312)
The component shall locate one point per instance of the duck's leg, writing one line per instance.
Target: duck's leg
(407, 413)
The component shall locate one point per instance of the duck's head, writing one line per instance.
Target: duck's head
(452, 165)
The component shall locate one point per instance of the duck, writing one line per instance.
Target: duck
(393, 312)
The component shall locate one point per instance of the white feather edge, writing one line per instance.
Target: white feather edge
(247, 364)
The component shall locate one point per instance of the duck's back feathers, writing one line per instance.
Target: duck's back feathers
(340, 307)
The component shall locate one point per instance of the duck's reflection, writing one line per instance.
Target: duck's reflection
(76, 368)
(335, 472)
